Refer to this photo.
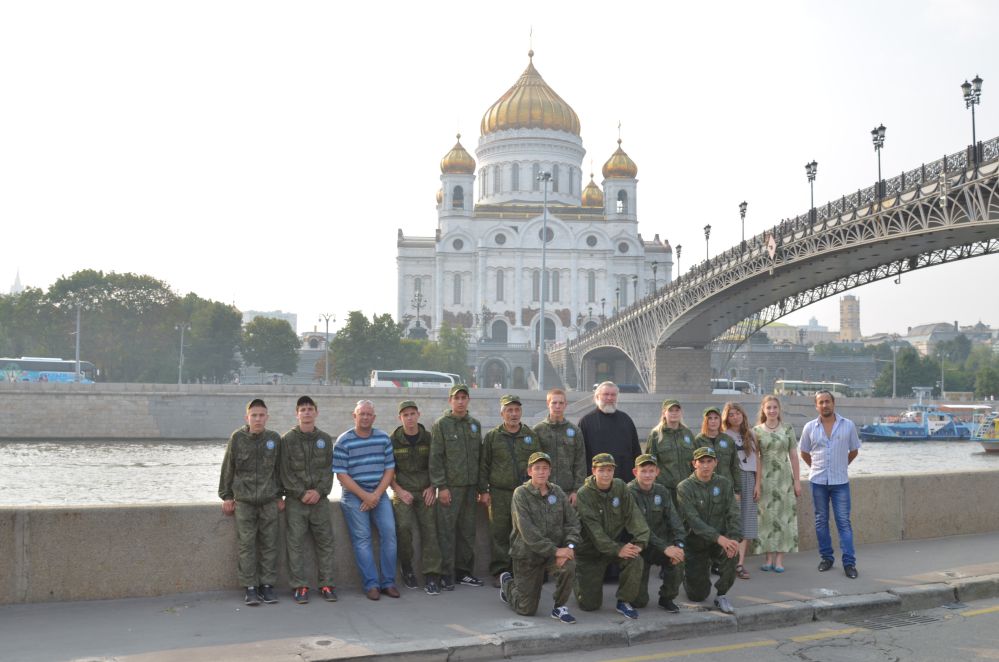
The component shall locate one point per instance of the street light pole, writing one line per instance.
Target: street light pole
(544, 178)
(810, 170)
(878, 138)
(182, 327)
(894, 360)
(328, 317)
(707, 235)
(679, 249)
(77, 378)
(742, 215)
(972, 97)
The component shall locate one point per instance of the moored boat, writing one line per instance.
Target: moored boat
(927, 422)
(988, 434)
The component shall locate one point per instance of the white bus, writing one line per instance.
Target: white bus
(413, 379)
(795, 387)
(731, 387)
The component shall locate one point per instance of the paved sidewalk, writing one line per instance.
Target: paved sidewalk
(472, 623)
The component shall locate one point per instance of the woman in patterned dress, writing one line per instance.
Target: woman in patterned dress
(778, 506)
(735, 424)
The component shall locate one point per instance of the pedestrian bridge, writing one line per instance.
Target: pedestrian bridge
(940, 212)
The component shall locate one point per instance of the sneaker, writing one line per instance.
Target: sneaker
(724, 606)
(504, 581)
(251, 596)
(301, 595)
(562, 614)
(669, 605)
(446, 583)
(409, 580)
(328, 593)
(626, 610)
(266, 594)
(469, 580)
(432, 588)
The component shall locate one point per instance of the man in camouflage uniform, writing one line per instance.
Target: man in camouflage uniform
(672, 444)
(666, 540)
(708, 506)
(305, 459)
(250, 489)
(413, 499)
(456, 439)
(545, 534)
(502, 469)
(563, 441)
(608, 514)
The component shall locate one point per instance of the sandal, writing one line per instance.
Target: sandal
(766, 567)
(740, 572)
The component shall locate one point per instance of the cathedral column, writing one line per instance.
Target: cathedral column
(518, 294)
(438, 294)
(575, 283)
(480, 290)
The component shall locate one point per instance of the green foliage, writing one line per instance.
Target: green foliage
(987, 383)
(271, 345)
(967, 368)
(912, 370)
(211, 344)
(956, 350)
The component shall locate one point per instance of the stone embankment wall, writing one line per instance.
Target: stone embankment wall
(92, 553)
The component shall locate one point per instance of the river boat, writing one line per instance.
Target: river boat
(988, 434)
(929, 422)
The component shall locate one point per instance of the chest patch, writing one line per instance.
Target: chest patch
(570, 433)
(527, 440)
(723, 443)
(475, 428)
(270, 444)
(686, 440)
(320, 443)
(715, 491)
(552, 499)
(658, 500)
(616, 502)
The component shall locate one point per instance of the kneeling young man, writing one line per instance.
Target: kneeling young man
(667, 533)
(708, 506)
(608, 515)
(545, 535)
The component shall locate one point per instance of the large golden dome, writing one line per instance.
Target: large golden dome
(458, 161)
(592, 195)
(620, 165)
(530, 104)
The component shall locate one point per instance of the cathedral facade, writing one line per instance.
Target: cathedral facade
(523, 191)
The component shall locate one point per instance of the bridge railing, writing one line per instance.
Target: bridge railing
(786, 231)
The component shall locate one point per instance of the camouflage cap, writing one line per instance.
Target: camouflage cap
(645, 458)
(705, 451)
(711, 410)
(509, 399)
(603, 460)
(671, 403)
(538, 457)
(457, 388)
(406, 404)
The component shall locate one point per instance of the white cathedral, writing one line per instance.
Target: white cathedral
(482, 268)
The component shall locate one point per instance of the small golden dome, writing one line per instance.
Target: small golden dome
(592, 195)
(620, 165)
(530, 104)
(440, 196)
(458, 161)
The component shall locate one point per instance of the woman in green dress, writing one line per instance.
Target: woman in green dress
(778, 506)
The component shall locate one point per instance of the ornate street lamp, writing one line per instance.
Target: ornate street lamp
(182, 327)
(330, 317)
(878, 138)
(707, 236)
(544, 178)
(634, 287)
(419, 302)
(810, 170)
(603, 311)
(742, 215)
(679, 249)
(972, 97)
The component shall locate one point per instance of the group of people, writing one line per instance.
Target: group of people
(580, 504)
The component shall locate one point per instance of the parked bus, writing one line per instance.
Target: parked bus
(795, 387)
(43, 369)
(413, 379)
(731, 387)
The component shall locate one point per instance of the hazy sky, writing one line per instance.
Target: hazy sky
(266, 154)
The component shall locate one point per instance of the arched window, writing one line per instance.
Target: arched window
(499, 331)
(622, 202)
(591, 287)
(535, 171)
(555, 178)
(553, 290)
(535, 286)
(458, 198)
(499, 285)
(457, 290)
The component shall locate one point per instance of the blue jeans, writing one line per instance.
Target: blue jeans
(359, 526)
(839, 495)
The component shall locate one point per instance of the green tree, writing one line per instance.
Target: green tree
(987, 383)
(212, 344)
(911, 370)
(364, 345)
(956, 350)
(271, 345)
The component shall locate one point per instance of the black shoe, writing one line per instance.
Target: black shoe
(850, 571)
(446, 583)
(301, 595)
(251, 596)
(432, 588)
(328, 593)
(470, 580)
(266, 594)
(825, 564)
(669, 605)
(409, 580)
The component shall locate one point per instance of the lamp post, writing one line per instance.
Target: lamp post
(810, 170)
(329, 317)
(742, 215)
(76, 378)
(679, 249)
(878, 138)
(894, 361)
(972, 97)
(707, 236)
(603, 310)
(655, 279)
(544, 178)
(182, 327)
(617, 299)
(634, 287)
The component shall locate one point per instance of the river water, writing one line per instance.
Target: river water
(121, 472)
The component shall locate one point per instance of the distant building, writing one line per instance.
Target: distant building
(811, 334)
(849, 319)
(925, 337)
(17, 288)
(290, 318)
(763, 364)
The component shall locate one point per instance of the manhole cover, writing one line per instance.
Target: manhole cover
(888, 621)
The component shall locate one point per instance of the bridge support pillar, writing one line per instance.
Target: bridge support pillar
(682, 370)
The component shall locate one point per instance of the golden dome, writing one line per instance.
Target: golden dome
(620, 165)
(592, 195)
(440, 196)
(530, 104)
(458, 161)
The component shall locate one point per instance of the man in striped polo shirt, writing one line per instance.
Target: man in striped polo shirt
(365, 466)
